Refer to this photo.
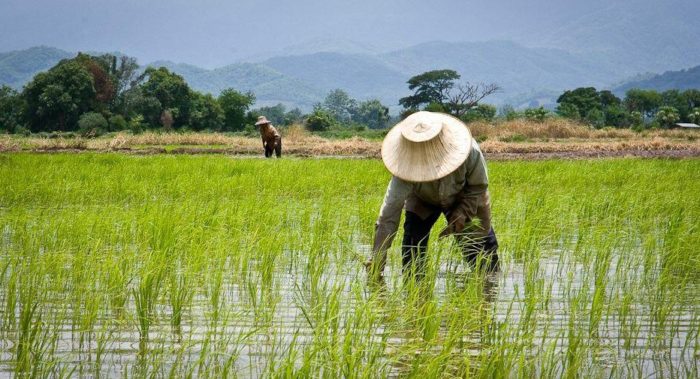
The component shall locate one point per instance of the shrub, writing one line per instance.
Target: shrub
(320, 120)
(694, 116)
(136, 125)
(481, 112)
(536, 114)
(596, 118)
(667, 116)
(117, 123)
(92, 124)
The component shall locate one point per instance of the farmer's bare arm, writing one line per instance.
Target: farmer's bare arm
(388, 221)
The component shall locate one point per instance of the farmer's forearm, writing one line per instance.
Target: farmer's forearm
(383, 237)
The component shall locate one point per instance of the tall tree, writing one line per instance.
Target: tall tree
(438, 91)
(467, 96)
(12, 108)
(373, 114)
(206, 113)
(172, 92)
(56, 98)
(429, 87)
(646, 102)
(126, 77)
(585, 99)
(339, 104)
(235, 105)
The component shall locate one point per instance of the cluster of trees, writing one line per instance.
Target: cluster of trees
(95, 94)
(338, 108)
(439, 91)
(639, 109)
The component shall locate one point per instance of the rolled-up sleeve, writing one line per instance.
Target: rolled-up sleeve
(390, 213)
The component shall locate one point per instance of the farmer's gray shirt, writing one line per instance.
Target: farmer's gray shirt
(471, 178)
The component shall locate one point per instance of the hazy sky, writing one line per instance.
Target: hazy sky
(216, 32)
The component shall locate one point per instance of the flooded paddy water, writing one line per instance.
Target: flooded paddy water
(117, 266)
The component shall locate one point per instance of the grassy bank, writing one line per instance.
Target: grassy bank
(210, 266)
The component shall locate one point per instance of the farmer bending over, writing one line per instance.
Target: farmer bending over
(437, 168)
(270, 137)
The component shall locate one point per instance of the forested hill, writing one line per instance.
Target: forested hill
(18, 67)
(682, 80)
(302, 80)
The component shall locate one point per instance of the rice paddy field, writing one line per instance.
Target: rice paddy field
(116, 265)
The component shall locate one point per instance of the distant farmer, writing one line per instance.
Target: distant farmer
(270, 137)
(437, 168)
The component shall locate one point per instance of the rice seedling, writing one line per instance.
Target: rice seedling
(207, 266)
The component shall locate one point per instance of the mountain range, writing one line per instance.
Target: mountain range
(681, 80)
(528, 76)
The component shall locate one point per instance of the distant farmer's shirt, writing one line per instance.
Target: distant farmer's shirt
(468, 183)
(268, 133)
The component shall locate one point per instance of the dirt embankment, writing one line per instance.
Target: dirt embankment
(511, 140)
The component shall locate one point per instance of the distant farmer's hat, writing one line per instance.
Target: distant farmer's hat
(262, 120)
(426, 146)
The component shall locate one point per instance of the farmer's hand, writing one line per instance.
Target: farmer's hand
(375, 271)
(456, 222)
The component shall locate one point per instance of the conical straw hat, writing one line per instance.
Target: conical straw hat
(426, 146)
(262, 120)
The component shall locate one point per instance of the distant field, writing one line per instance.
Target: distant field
(207, 266)
(555, 138)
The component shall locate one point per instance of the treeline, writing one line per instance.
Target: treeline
(639, 109)
(439, 90)
(92, 95)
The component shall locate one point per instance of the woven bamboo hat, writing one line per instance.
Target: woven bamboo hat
(426, 146)
(262, 120)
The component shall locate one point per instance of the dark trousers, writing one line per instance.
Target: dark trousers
(276, 147)
(478, 252)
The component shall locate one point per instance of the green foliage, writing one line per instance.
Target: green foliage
(171, 91)
(117, 123)
(320, 120)
(694, 116)
(92, 124)
(569, 110)
(340, 105)
(276, 113)
(508, 112)
(234, 106)
(435, 107)
(637, 120)
(56, 99)
(666, 117)
(617, 115)
(12, 108)
(596, 108)
(279, 115)
(584, 99)
(137, 124)
(429, 87)
(536, 114)
(647, 102)
(596, 118)
(372, 114)
(481, 112)
(206, 113)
